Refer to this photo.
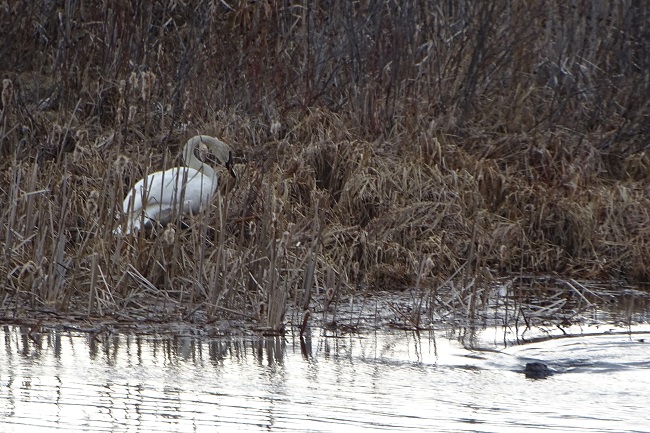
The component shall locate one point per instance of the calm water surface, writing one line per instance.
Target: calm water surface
(393, 381)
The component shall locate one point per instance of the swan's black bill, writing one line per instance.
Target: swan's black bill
(230, 165)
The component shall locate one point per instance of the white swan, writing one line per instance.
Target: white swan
(188, 189)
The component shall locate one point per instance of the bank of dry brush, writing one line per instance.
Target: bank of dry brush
(486, 139)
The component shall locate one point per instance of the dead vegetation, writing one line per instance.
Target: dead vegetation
(380, 145)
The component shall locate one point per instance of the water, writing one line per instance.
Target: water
(394, 381)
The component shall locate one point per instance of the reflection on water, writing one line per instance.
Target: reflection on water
(398, 381)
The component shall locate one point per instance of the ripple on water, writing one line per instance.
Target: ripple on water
(394, 381)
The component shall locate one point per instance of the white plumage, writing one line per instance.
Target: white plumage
(180, 189)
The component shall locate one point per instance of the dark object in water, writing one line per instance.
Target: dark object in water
(537, 370)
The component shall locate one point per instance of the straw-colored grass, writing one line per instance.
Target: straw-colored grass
(379, 145)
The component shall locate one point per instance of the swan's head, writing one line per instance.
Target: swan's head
(218, 148)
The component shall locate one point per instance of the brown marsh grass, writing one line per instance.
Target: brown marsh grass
(381, 145)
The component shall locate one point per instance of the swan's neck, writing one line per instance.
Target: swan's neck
(193, 162)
